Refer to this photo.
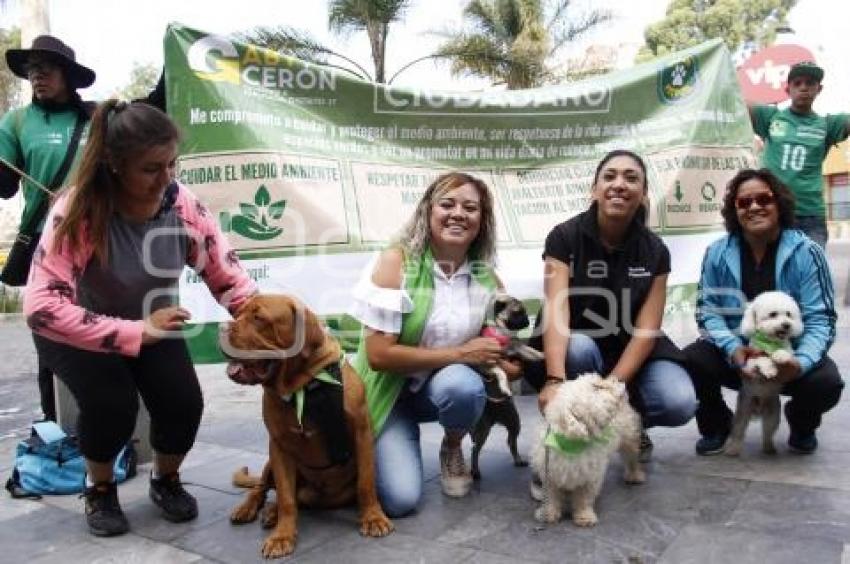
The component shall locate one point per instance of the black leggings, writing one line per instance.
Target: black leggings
(107, 388)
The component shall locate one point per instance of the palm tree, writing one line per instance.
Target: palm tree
(344, 17)
(373, 16)
(511, 42)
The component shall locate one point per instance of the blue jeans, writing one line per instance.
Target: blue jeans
(815, 227)
(455, 397)
(667, 397)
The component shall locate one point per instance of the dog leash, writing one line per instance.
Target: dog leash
(26, 176)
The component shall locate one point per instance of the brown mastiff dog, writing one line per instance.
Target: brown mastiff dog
(321, 458)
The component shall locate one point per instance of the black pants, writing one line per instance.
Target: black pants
(45, 389)
(107, 388)
(812, 395)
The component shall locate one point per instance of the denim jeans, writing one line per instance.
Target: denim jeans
(455, 397)
(815, 227)
(667, 396)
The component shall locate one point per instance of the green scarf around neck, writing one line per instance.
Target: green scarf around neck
(571, 448)
(766, 343)
(383, 388)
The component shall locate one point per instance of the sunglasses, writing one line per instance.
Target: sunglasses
(763, 200)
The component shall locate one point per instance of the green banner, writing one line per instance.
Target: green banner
(299, 159)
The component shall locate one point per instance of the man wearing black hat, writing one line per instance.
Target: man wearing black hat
(37, 139)
(797, 140)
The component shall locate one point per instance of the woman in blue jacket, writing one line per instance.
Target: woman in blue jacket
(762, 252)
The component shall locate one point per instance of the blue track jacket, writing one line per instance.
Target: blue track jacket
(801, 271)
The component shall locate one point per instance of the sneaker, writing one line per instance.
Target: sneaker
(103, 512)
(454, 475)
(176, 503)
(803, 443)
(711, 444)
(646, 446)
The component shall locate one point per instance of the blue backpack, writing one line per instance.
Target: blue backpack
(50, 462)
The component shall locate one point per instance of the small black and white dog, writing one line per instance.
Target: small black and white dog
(507, 317)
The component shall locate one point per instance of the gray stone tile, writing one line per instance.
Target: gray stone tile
(794, 511)
(396, 548)
(42, 532)
(438, 513)
(709, 544)
(484, 557)
(241, 434)
(126, 549)
(211, 486)
(224, 542)
(635, 521)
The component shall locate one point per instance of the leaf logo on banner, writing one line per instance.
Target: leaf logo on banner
(257, 220)
(678, 81)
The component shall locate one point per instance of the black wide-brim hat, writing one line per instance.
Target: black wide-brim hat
(76, 74)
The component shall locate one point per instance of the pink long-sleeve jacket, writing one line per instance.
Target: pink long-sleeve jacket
(61, 278)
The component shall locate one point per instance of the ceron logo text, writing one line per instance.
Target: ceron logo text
(762, 77)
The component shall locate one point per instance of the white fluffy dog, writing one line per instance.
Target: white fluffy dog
(585, 421)
(770, 321)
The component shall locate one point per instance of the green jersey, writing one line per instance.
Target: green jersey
(35, 141)
(795, 146)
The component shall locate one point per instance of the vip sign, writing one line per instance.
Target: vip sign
(763, 76)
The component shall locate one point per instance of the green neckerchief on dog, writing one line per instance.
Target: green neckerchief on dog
(566, 446)
(766, 343)
(383, 388)
(300, 394)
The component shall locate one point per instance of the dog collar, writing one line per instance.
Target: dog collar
(766, 343)
(569, 447)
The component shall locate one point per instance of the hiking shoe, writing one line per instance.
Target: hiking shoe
(646, 446)
(710, 444)
(803, 443)
(168, 494)
(103, 512)
(454, 475)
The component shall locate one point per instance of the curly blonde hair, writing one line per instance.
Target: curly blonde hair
(415, 236)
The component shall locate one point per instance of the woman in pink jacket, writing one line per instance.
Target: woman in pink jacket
(102, 296)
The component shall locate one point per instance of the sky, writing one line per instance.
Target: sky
(122, 36)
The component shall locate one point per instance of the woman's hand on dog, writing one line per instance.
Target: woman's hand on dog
(512, 368)
(788, 371)
(163, 320)
(548, 391)
(480, 350)
(740, 357)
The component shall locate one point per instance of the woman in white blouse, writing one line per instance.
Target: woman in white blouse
(422, 309)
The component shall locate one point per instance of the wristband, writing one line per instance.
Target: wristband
(554, 379)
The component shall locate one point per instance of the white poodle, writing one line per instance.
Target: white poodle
(770, 321)
(585, 421)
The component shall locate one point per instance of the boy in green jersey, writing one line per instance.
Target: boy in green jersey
(797, 140)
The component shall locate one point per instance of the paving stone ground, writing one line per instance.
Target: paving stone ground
(756, 509)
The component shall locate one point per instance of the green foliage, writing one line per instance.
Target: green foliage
(512, 42)
(691, 22)
(143, 78)
(11, 300)
(344, 17)
(10, 85)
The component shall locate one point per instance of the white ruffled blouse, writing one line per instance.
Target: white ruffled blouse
(456, 316)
